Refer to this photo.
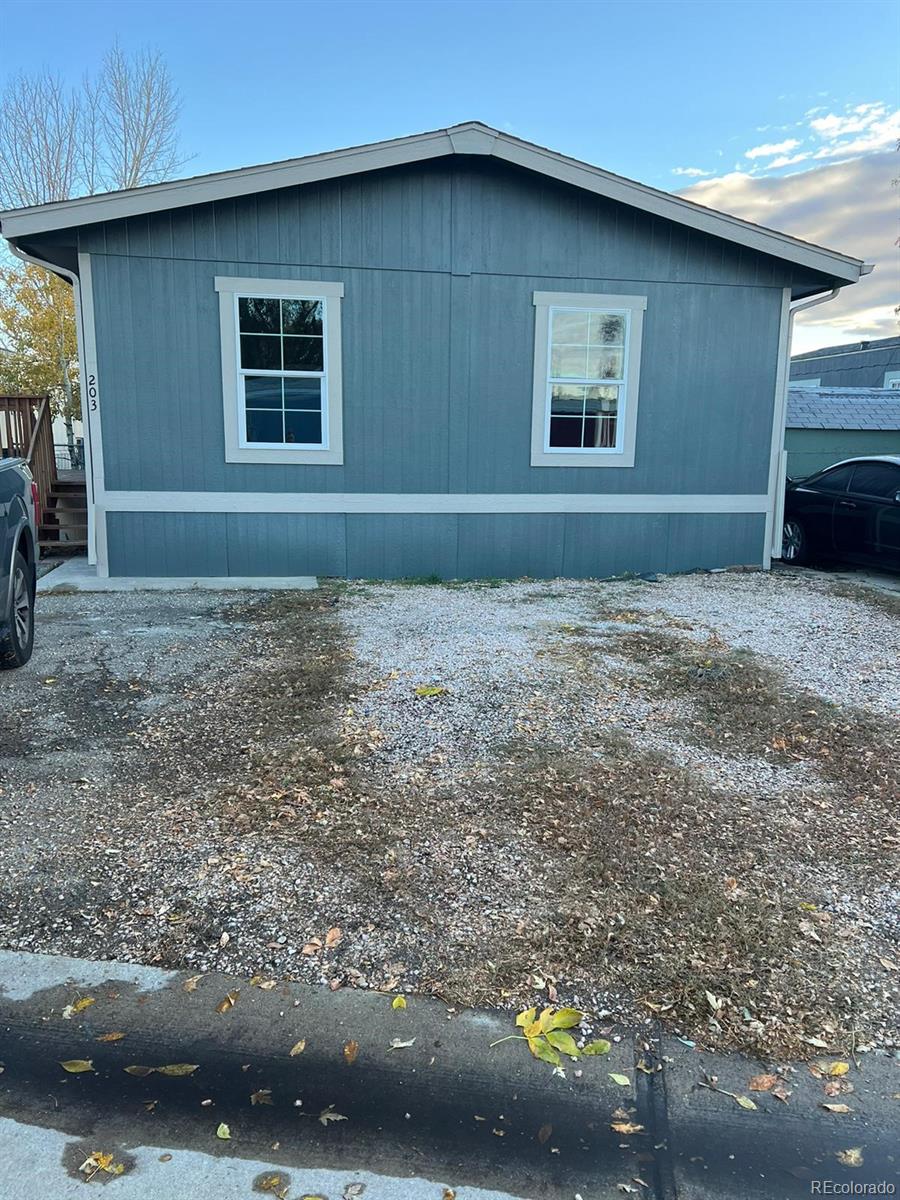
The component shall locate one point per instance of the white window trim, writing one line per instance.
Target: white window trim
(892, 380)
(810, 383)
(623, 455)
(236, 448)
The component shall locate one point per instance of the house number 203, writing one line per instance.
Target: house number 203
(92, 392)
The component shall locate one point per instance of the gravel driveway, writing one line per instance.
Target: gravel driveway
(674, 798)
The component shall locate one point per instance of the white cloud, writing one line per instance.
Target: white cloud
(786, 160)
(848, 206)
(859, 119)
(879, 130)
(692, 172)
(771, 149)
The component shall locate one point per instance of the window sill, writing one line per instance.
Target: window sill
(582, 458)
(285, 457)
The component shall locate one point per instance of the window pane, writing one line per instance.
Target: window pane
(568, 362)
(607, 329)
(262, 391)
(303, 393)
(600, 432)
(301, 316)
(264, 426)
(876, 479)
(303, 354)
(601, 401)
(303, 427)
(605, 364)
(566, 401)
(570, 327)
(257, 316)
(261, 353)
(565, 431)
(834, 481)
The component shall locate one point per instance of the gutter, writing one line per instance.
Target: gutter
(72, 278)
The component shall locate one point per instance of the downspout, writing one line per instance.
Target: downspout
(75, 281)
(795, 306)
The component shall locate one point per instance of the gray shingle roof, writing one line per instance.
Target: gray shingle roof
(843, 408)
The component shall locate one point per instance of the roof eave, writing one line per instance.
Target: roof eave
(468, 138)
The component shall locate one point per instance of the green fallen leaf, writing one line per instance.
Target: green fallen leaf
(565, 1018)
(599, 1046)
(561, 1040)
(177, 1069)
(431, 691)
(526, 1018)
(77, 1066)
(223, 1132)
(746, 1102)
(622, 1080)
(543, 1050)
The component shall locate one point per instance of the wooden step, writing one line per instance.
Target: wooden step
(58, 548)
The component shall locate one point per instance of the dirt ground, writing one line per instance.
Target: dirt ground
(673, 799)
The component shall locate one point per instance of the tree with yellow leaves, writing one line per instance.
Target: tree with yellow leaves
(38, 346)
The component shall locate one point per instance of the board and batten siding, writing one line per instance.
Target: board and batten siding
(439, 263)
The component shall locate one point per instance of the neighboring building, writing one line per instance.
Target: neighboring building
(825, 425)
(455, 353)
(874, 364)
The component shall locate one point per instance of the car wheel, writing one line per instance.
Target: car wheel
(794, 548)
(17, 640)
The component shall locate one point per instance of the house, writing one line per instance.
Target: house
(825, 425)
(455, 353)
(874, 364)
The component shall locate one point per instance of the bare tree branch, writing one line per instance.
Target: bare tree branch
(38, 138)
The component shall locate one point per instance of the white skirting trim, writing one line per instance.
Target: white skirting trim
(437, 502)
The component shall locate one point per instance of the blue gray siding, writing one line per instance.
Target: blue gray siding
(380, 546)
(439, 263)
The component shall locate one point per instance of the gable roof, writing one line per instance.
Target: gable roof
(469, 138)
(843, 408)
(867, 347)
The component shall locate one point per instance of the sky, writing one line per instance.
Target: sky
(786, 113)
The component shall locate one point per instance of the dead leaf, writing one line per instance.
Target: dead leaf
(398, 1002)
(263, 1096)
(77, 1006)
(889, 964)
(626, 1127)
(762, 1083)
(190, 985)
(850, 1158)
(138, 1071)
(543, 1133)
(351, 1049)
(177, 1070)
(224, 940)
(268, 984)
(110, 1037)
(448, 1194)
(397, 1044)
(838, 1068)
(837, 1108)
(228, 1003)
(815, 1041)
(223, 1132)
(312, 947)
(781, 1092)
(77, 1066)
(353, 1191)
(328, 1114)
(298, 1047)
(334, 937)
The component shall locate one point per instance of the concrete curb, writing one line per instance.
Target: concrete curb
(475, 1114)
(76, 575)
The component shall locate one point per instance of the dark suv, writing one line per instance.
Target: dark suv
(849, 511)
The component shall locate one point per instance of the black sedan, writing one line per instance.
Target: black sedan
(849, 511)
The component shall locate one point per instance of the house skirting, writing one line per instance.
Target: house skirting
(449, 545)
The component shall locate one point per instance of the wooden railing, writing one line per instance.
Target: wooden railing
(26, 431)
